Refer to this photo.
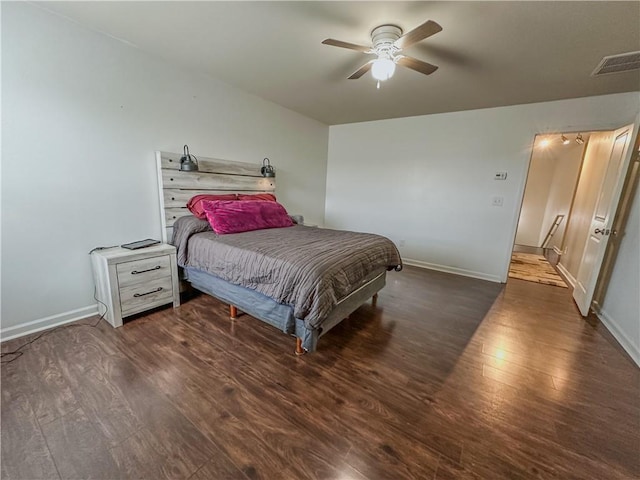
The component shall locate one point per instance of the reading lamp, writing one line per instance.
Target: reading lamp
(267, 170)
(188, 162)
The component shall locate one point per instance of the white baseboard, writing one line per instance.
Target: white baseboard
(34, 326)
(454, 270)
(620, 336)
(570, 278)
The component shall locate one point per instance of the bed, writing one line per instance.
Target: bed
(301, 280)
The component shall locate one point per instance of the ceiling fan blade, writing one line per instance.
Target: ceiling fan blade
(351, 46)
(417, 65)
(361, 71)
(425, 30)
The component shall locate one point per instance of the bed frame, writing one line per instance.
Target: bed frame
(216, 176)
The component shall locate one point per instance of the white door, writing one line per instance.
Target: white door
(602, 219)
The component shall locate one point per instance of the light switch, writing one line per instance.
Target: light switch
(497, 201)
(500, 176)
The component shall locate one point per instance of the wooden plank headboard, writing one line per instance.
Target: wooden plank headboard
(214, 176)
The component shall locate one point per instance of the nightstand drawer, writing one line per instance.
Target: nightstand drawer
(145, 270)
(139, 297)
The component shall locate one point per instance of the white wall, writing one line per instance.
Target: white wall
(428, 180)
(620, 309)
(568, 160)
(82, 116)
(536, 194)
(594, 168)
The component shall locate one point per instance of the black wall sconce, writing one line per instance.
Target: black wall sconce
(188, 162)
(267, 170)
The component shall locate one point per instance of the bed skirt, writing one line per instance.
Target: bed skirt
(276, 314)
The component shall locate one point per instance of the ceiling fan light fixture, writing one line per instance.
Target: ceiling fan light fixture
(383, 69)
(387, 43)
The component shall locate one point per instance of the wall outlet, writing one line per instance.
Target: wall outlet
(500, 176)
(497, 201)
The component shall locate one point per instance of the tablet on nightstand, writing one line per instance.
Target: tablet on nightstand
(140, 244)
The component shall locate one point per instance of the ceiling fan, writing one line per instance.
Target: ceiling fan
(387, 44)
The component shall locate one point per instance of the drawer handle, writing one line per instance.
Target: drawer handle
(159, 289)
(136, 272)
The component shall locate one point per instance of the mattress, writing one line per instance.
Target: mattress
(308, 269)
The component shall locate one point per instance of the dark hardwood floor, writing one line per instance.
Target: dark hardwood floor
(447, 378)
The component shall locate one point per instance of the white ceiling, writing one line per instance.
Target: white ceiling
(489, 53)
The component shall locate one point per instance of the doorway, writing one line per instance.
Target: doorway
(582, 185)
(545, 223)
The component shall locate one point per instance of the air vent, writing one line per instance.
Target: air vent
(624, 62)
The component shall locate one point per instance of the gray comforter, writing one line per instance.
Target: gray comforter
(311, 269)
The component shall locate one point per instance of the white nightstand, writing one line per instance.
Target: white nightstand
(133, 281)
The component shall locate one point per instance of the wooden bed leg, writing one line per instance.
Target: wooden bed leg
(299, 349)
(233, 312)
(374, 300)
